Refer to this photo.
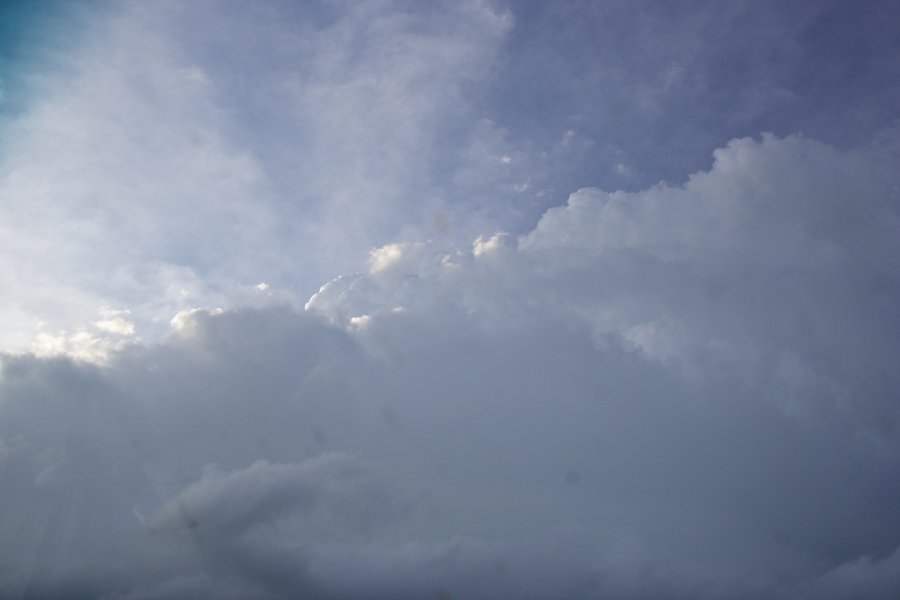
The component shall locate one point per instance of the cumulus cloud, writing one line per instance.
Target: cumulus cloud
(683, 392)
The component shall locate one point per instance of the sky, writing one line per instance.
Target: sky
(392, 299)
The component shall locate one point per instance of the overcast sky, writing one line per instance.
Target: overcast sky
(394, 299)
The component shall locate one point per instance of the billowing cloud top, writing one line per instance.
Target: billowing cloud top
(674, 390)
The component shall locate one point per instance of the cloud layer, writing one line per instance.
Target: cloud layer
(683, 392)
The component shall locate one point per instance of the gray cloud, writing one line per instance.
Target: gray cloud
(683, 392)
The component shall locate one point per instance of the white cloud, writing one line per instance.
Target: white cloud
(361, 320)
(797, 209)
(110, 333)
(485, 246)
(381, 259)
(114, 322)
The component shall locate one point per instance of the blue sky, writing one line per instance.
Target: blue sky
(458, 299)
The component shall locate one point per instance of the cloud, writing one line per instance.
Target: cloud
(658, 90)
(225, 504)
(114, 322)
(862, 578)
(683, 392)
(169, 160)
